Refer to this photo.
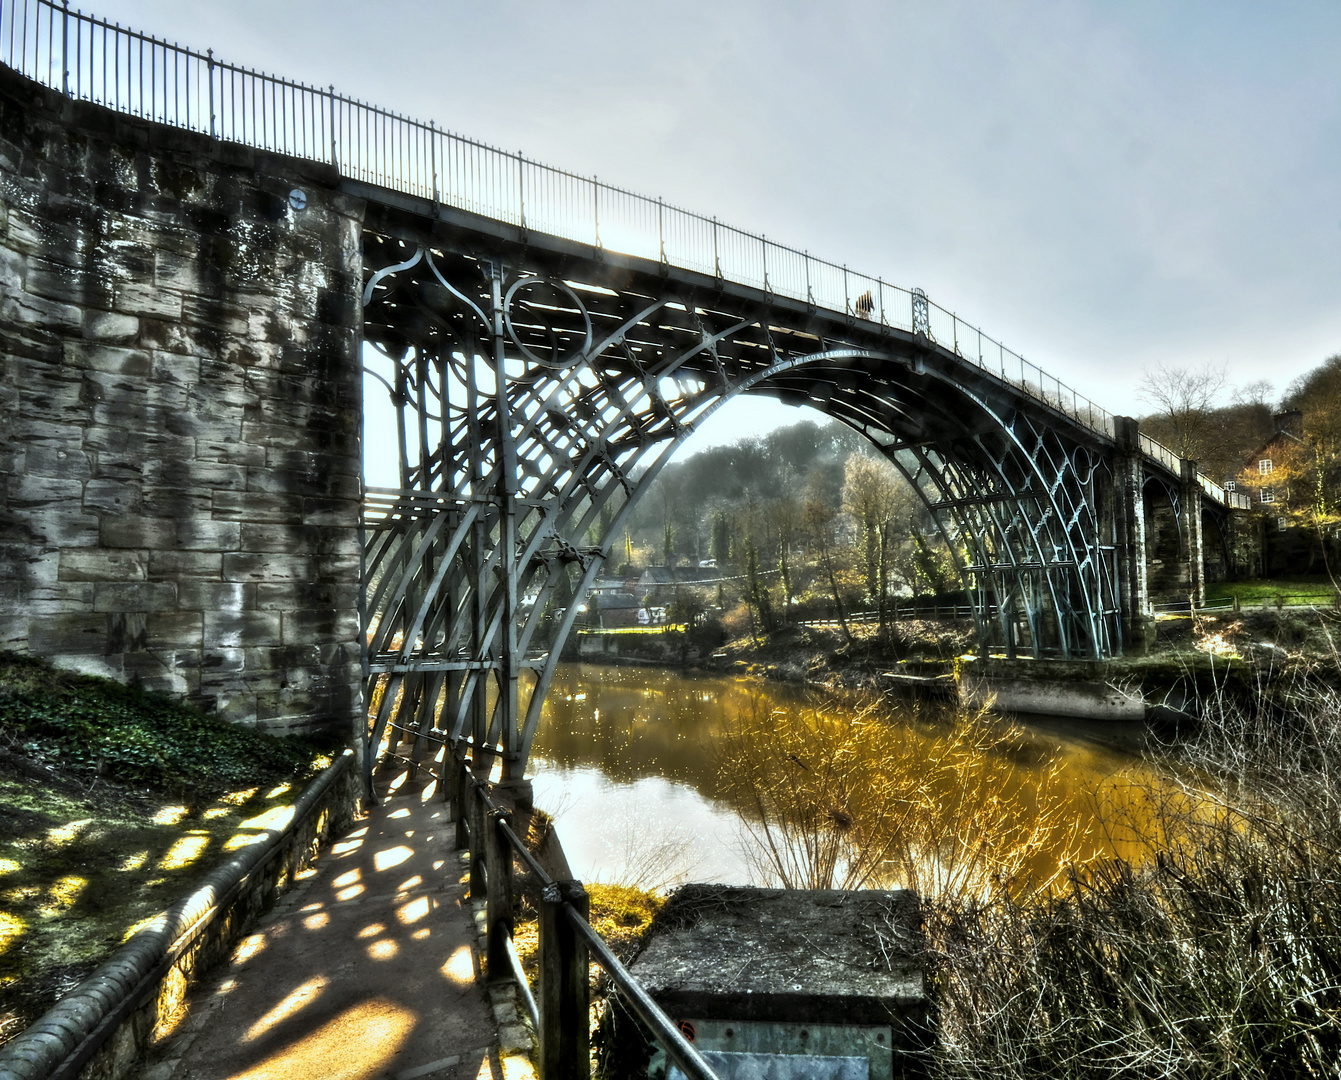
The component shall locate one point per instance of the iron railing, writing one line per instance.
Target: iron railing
(89, 59)
(559, 1006)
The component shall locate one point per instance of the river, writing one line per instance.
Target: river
(629, 763)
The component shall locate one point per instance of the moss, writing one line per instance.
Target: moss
(113, 803)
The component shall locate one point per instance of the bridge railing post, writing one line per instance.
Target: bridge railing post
(476, 816)
(460, 807)
(498, 894)
(565, 987)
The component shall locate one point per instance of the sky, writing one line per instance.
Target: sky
(1102, 186)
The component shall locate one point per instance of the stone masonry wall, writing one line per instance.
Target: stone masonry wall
(179, 412)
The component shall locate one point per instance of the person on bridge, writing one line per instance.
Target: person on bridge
(865, 305)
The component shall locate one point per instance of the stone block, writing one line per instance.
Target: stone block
(235, 706)
(66, 285)
(69, 633)
(126, 631)
(223, 317)
(62, 526)
(230, 453)
(215, 595)
(216, 661)
(302, 594)
(251, 566)
(111, 496)
(175, 565)
(172, 338)
(181, 630)
(131, 531)
(23, 309)
(132, 364)
(135, 596)
(46, 492)
(242, 629)
(347, 567)
(344, 513)
(102, 564)
(56, 461)
(190, 473)
(139, 298)
(251, 506)
(180, 503)
(288, 537)
(110, 326)
(319, 625)
(197, 533)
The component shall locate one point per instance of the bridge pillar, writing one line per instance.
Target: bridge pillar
(1138, 629)
(1191, 549)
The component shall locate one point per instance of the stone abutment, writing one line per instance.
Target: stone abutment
(180, 477)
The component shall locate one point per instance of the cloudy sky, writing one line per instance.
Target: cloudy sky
(1102, 186)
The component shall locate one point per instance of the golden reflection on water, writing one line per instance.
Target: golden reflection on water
(1016, 800)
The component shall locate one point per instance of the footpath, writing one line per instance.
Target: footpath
(367, 969)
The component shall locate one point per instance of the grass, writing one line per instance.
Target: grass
(1290, 591)
(113, 803)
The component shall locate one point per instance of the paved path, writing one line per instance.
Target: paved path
(366, 969)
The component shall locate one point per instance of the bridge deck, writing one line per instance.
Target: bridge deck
(367, 969)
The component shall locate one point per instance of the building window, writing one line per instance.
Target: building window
(1230, 485)
(1268, 495)
(1280, 524)
(1264, 466)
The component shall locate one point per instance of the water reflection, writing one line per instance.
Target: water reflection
(627, 760)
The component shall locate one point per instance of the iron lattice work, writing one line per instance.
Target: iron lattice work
(539, 393)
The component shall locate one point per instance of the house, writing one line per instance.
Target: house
(1256, 479)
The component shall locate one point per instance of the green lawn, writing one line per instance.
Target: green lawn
(1296, 591)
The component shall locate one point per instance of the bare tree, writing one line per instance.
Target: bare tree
(1184, 399)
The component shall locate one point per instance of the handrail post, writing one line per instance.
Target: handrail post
(65, 48)
(210, 54)
(565, 987)
(476, 816)
(462, 803)
(335, 157)
(498, 895)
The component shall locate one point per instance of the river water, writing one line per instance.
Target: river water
(630, 763)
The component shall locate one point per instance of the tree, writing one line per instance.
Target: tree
(1308, 469)
(1184, 399)
(878, 500)
(820, 522)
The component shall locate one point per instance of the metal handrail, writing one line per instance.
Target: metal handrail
(678, 1049)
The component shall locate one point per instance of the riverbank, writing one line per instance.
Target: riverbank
(1194, 659)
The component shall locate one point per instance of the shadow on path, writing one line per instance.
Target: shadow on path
(367, 968)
